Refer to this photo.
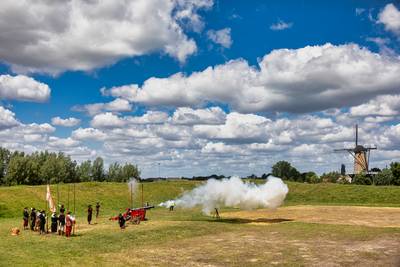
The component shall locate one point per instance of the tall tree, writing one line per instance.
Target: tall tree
(84, 171)
(286, 171)
(98, 170)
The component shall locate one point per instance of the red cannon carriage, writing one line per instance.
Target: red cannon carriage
(134, 215)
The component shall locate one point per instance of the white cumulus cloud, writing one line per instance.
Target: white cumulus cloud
(68, 122)
(390, 18)
(23, 88)
(117, 105)
(55, 36)
(221, 37)
(7, 119)
(312, 78)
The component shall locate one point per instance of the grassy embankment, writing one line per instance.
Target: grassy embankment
(195, 238)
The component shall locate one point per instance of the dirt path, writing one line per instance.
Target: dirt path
(347, 215)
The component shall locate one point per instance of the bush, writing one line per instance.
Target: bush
(385, 177)
(310, 177)
(330, 177)
(362, 179)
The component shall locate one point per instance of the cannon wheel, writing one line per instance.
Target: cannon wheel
(135, 220)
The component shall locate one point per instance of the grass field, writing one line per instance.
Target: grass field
(319, 225)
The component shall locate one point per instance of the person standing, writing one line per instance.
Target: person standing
(121, 221)
(97, 209)
(68, 224)
(89, 214)
(171, 206)
(33, 219)
(62, 209)
(26, 218)
(61, 224)
(54, 222)
(42, 217)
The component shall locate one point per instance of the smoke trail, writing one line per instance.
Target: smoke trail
(233, 192)
(132, 184)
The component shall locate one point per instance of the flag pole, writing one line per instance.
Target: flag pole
(58, 194)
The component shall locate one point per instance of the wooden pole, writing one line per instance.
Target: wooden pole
(142, 195)
(74, 199)
(131, 193)
(68, 198)
(73, 225)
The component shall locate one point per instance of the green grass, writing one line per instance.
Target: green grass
(105, 244)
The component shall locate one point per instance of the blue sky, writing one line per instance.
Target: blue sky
(201, 86)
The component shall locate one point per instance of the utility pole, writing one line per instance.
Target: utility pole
(159, 176)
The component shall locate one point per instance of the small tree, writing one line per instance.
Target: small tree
(385, 177)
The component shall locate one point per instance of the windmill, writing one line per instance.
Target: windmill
(360, 155)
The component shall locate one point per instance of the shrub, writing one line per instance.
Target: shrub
(362, 179)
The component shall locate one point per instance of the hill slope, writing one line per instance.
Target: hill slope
(114, 197)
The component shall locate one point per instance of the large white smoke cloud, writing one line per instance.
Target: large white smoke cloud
(233, 192)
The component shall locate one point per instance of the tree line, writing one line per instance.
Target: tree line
(48, 167)
(387, 176)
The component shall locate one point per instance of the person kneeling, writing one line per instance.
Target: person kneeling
(121, 221)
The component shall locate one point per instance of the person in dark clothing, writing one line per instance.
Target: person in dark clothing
(61, 224)
(121, 221)
(62, 209)
(33, 218)
(26, 218)
(217, 213)
(97, 209)
(54, 222)
(42, 217)
(89, 213)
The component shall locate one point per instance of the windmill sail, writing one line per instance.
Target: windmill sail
(50, 201)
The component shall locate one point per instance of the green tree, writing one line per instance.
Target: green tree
(98, 170)
(385, 177)
(16, 169)
(286, 171)
(84, 171)
(395, 168)
(130, 171)
(114, 172)
(362, 179)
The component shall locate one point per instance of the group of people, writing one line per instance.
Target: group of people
(61, 223)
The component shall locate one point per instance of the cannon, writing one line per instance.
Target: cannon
(134, 215)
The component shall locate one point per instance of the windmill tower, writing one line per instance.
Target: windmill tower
(360, 155)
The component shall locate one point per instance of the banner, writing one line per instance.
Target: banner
(49, 199)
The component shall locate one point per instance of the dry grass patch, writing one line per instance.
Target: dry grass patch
(265, 246)
(344, 215)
